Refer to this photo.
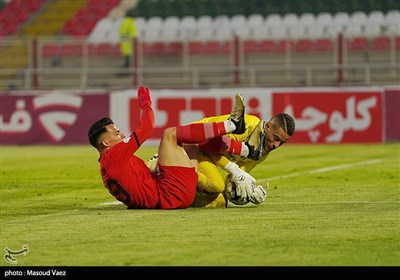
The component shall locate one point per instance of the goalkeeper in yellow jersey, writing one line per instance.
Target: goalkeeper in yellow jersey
(261, 138)
(246, 151)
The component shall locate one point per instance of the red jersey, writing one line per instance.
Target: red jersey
(125, 175)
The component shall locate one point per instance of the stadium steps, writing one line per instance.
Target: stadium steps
(46, 21)
(52, 18)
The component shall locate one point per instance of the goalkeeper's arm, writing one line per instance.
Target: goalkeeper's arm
(244, 181)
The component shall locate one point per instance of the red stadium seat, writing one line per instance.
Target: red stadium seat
(154, 48)
(381, 43)
(323, 45)
(173, 48)
(195, 47)
(71, 50)
(280, 46)
(357, 44)
(217, 47)
(50, 50)
(302, 45)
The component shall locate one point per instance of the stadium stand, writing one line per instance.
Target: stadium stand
(193, 33)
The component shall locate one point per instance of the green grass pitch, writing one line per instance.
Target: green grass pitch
(327, 205)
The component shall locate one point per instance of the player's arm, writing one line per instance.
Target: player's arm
(243, 188)
(147, 119)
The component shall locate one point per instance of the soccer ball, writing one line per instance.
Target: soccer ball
(230, 191)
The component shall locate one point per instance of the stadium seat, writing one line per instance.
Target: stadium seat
(255, 21)
(259, 34)
(315, 31)
(381, 43)
(296, 32)
(221, 21)
(172, 48)
(277, 32)
(358, 18)
(357, 44)
(242, 32)
(101, 31)
(323, 45)
(273, 20)
(392, 17)
(217, 47)
(71, 50)
(187, 27)
(171, 23)
(169, 35)
(204, 22)
(281, 46)
(154, 23)
(340, 20)
(238, 22)
(223, 34)
(203, 34)
(104, 49)
(152, 48)
(302, 45)
(353, 30)
(376, 17)
(372, 30)
(306, 20)
(50, 50)
(290, 19)
(324, 19)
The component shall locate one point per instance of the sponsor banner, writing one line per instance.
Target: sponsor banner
(49, 118)
(181, 107)
(392, 114)
(323, 115)
(333, 116)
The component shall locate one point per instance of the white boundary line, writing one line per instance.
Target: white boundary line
(336, 202)
(321, 170)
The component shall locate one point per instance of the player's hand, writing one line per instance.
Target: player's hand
(244, 184)
(258, 196)
(144, 98)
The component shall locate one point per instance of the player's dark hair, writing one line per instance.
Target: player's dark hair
(286, 122)
(97, 129)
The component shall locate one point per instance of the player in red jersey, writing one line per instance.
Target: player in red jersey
(127, 177)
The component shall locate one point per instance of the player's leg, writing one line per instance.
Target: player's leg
(252, 148)
(179, 182)
(210, 201)
(210, 179)
(178, 168)
(211, 184)
(169, 153)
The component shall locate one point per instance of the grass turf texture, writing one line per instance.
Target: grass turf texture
(52, 199)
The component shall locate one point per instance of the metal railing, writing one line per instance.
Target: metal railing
(85, 70)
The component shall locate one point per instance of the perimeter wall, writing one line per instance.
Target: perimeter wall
(328, 115)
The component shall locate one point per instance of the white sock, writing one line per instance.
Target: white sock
(245, 150)
(229, 126)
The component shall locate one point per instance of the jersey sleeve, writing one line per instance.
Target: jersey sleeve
(124, 150)
(146, 125)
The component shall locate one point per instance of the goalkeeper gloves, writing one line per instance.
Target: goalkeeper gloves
(144, 98)
(244, 181)
(258, 196)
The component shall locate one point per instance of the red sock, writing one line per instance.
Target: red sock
(222, 144)
(199, 132)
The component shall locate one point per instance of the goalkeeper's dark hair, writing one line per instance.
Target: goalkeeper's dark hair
(286, 122)
(97, 129)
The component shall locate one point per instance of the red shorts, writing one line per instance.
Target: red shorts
(177, 186)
